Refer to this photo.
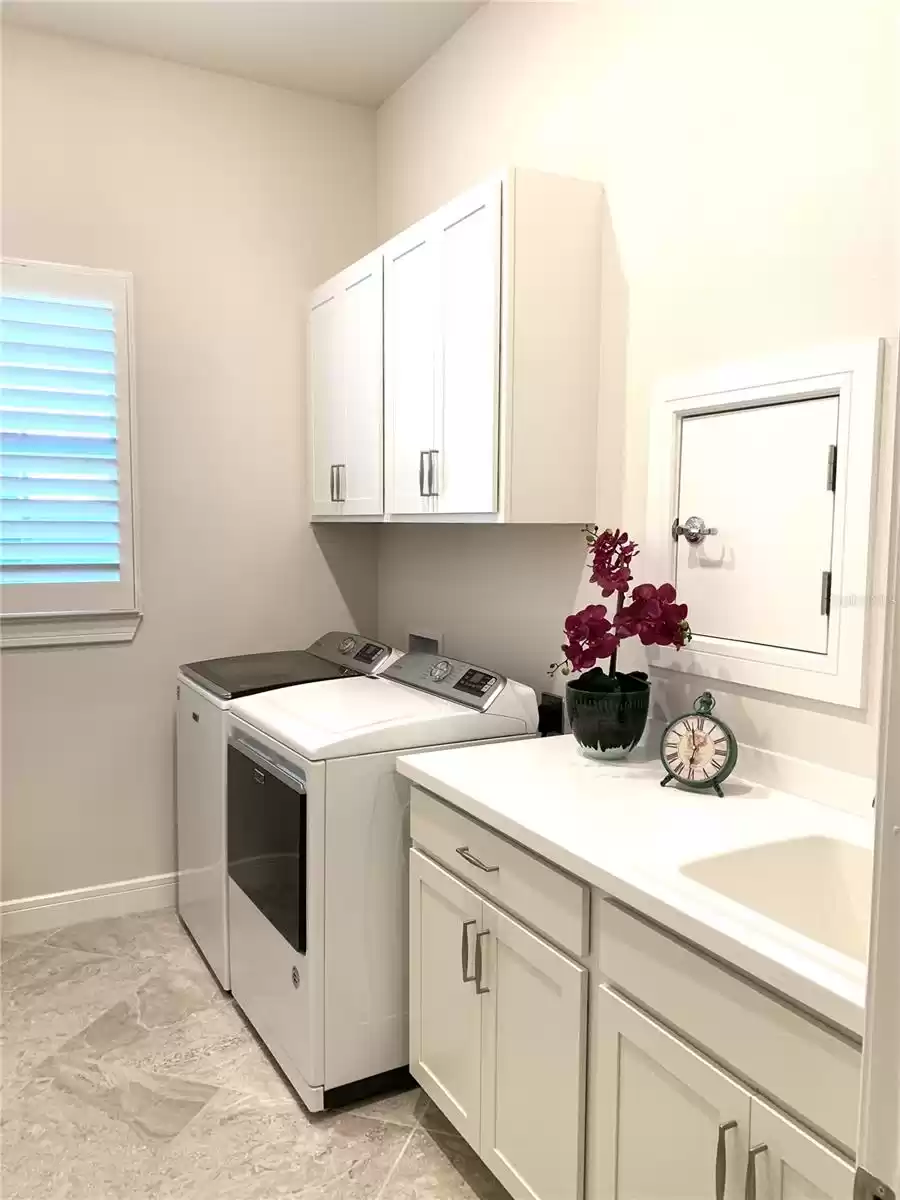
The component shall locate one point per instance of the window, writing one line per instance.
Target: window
(67, 538)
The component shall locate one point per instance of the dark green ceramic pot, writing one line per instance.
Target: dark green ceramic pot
(608, 715)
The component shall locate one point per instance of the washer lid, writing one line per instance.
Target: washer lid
(337, 718)
(244, 674)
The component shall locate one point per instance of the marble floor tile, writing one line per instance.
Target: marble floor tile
(129, 1075)
(142, 935)
(215, 1046)
(436, 1167)
(244, 1148)
(399, 1108)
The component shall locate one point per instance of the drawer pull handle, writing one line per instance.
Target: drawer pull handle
(755, 1151)
(722, 1158)
(466, 977)
(478, 963)
(464, 852)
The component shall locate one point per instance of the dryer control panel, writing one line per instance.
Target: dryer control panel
(448, 677)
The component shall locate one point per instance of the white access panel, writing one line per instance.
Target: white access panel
(200, 830)
(760, 477)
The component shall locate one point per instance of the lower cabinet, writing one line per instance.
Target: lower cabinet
(669, 1125)
(498, 1034)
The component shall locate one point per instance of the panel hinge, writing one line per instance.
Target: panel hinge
(826, 594)
(867, 1187)
(831, 475)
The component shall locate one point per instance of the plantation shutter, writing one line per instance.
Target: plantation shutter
(65, 486)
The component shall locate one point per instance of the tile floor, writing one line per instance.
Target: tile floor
(126, 1072)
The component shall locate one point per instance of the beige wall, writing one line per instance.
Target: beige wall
(750, 155)
(228, 201)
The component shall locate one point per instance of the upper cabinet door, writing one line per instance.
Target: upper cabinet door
(668, 1125)
(534, 1050)
(346, 392)
(444, 1009)
(789, 1164)
(468, 236)
(360, 477)
(410, 363)
(761, 478)
(326, 403)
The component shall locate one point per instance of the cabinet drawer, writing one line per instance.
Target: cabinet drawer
(801, 1064)
(542, 895)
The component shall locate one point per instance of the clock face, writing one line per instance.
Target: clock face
(697, 749)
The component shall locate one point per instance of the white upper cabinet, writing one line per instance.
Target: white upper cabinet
(491, 360)
(346, 392)
(410, 360)
(468, 390)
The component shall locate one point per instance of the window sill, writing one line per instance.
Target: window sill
(20, 632)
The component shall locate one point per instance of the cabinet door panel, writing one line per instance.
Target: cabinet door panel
(658, 1112)
(534, 1051)
(360, 448)
(444, 1011)
(410, 332)
(794, 1165)
(759, 477)
(469, 311)
(325, 400)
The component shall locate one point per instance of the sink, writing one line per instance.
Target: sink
(819, 887)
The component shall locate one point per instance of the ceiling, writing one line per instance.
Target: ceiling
(356, 50)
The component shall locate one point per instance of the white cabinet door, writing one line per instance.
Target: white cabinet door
(534, 1049)
(326, 403)
(789, 1164)
(200, 826)
(760, 477)
(444, 1010)
(667, 1124)
(468, 238)
(346, 392)
(410, 352)
(360, 453)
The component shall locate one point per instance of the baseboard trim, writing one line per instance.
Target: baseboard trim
(31, 914)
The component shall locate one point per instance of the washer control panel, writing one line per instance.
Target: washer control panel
(448, 677)
(360, 655)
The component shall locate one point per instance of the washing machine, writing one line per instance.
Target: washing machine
(205, 692)
(318, 835)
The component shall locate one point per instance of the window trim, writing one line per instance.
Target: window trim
(98, 622)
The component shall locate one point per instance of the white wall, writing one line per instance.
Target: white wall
(751, 156)
(228, 201)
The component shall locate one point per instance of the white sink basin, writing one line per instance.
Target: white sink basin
(818, 886)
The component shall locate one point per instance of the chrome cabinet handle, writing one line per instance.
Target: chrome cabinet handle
(432, 473)
(466, 977)
(722, 1158)
(422, 454)
(478, 963)
(464, 852)
(755, 1151)
(340, 472)
(332, 487)
(694, 530)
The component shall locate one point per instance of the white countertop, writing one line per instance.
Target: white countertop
(613, 826)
